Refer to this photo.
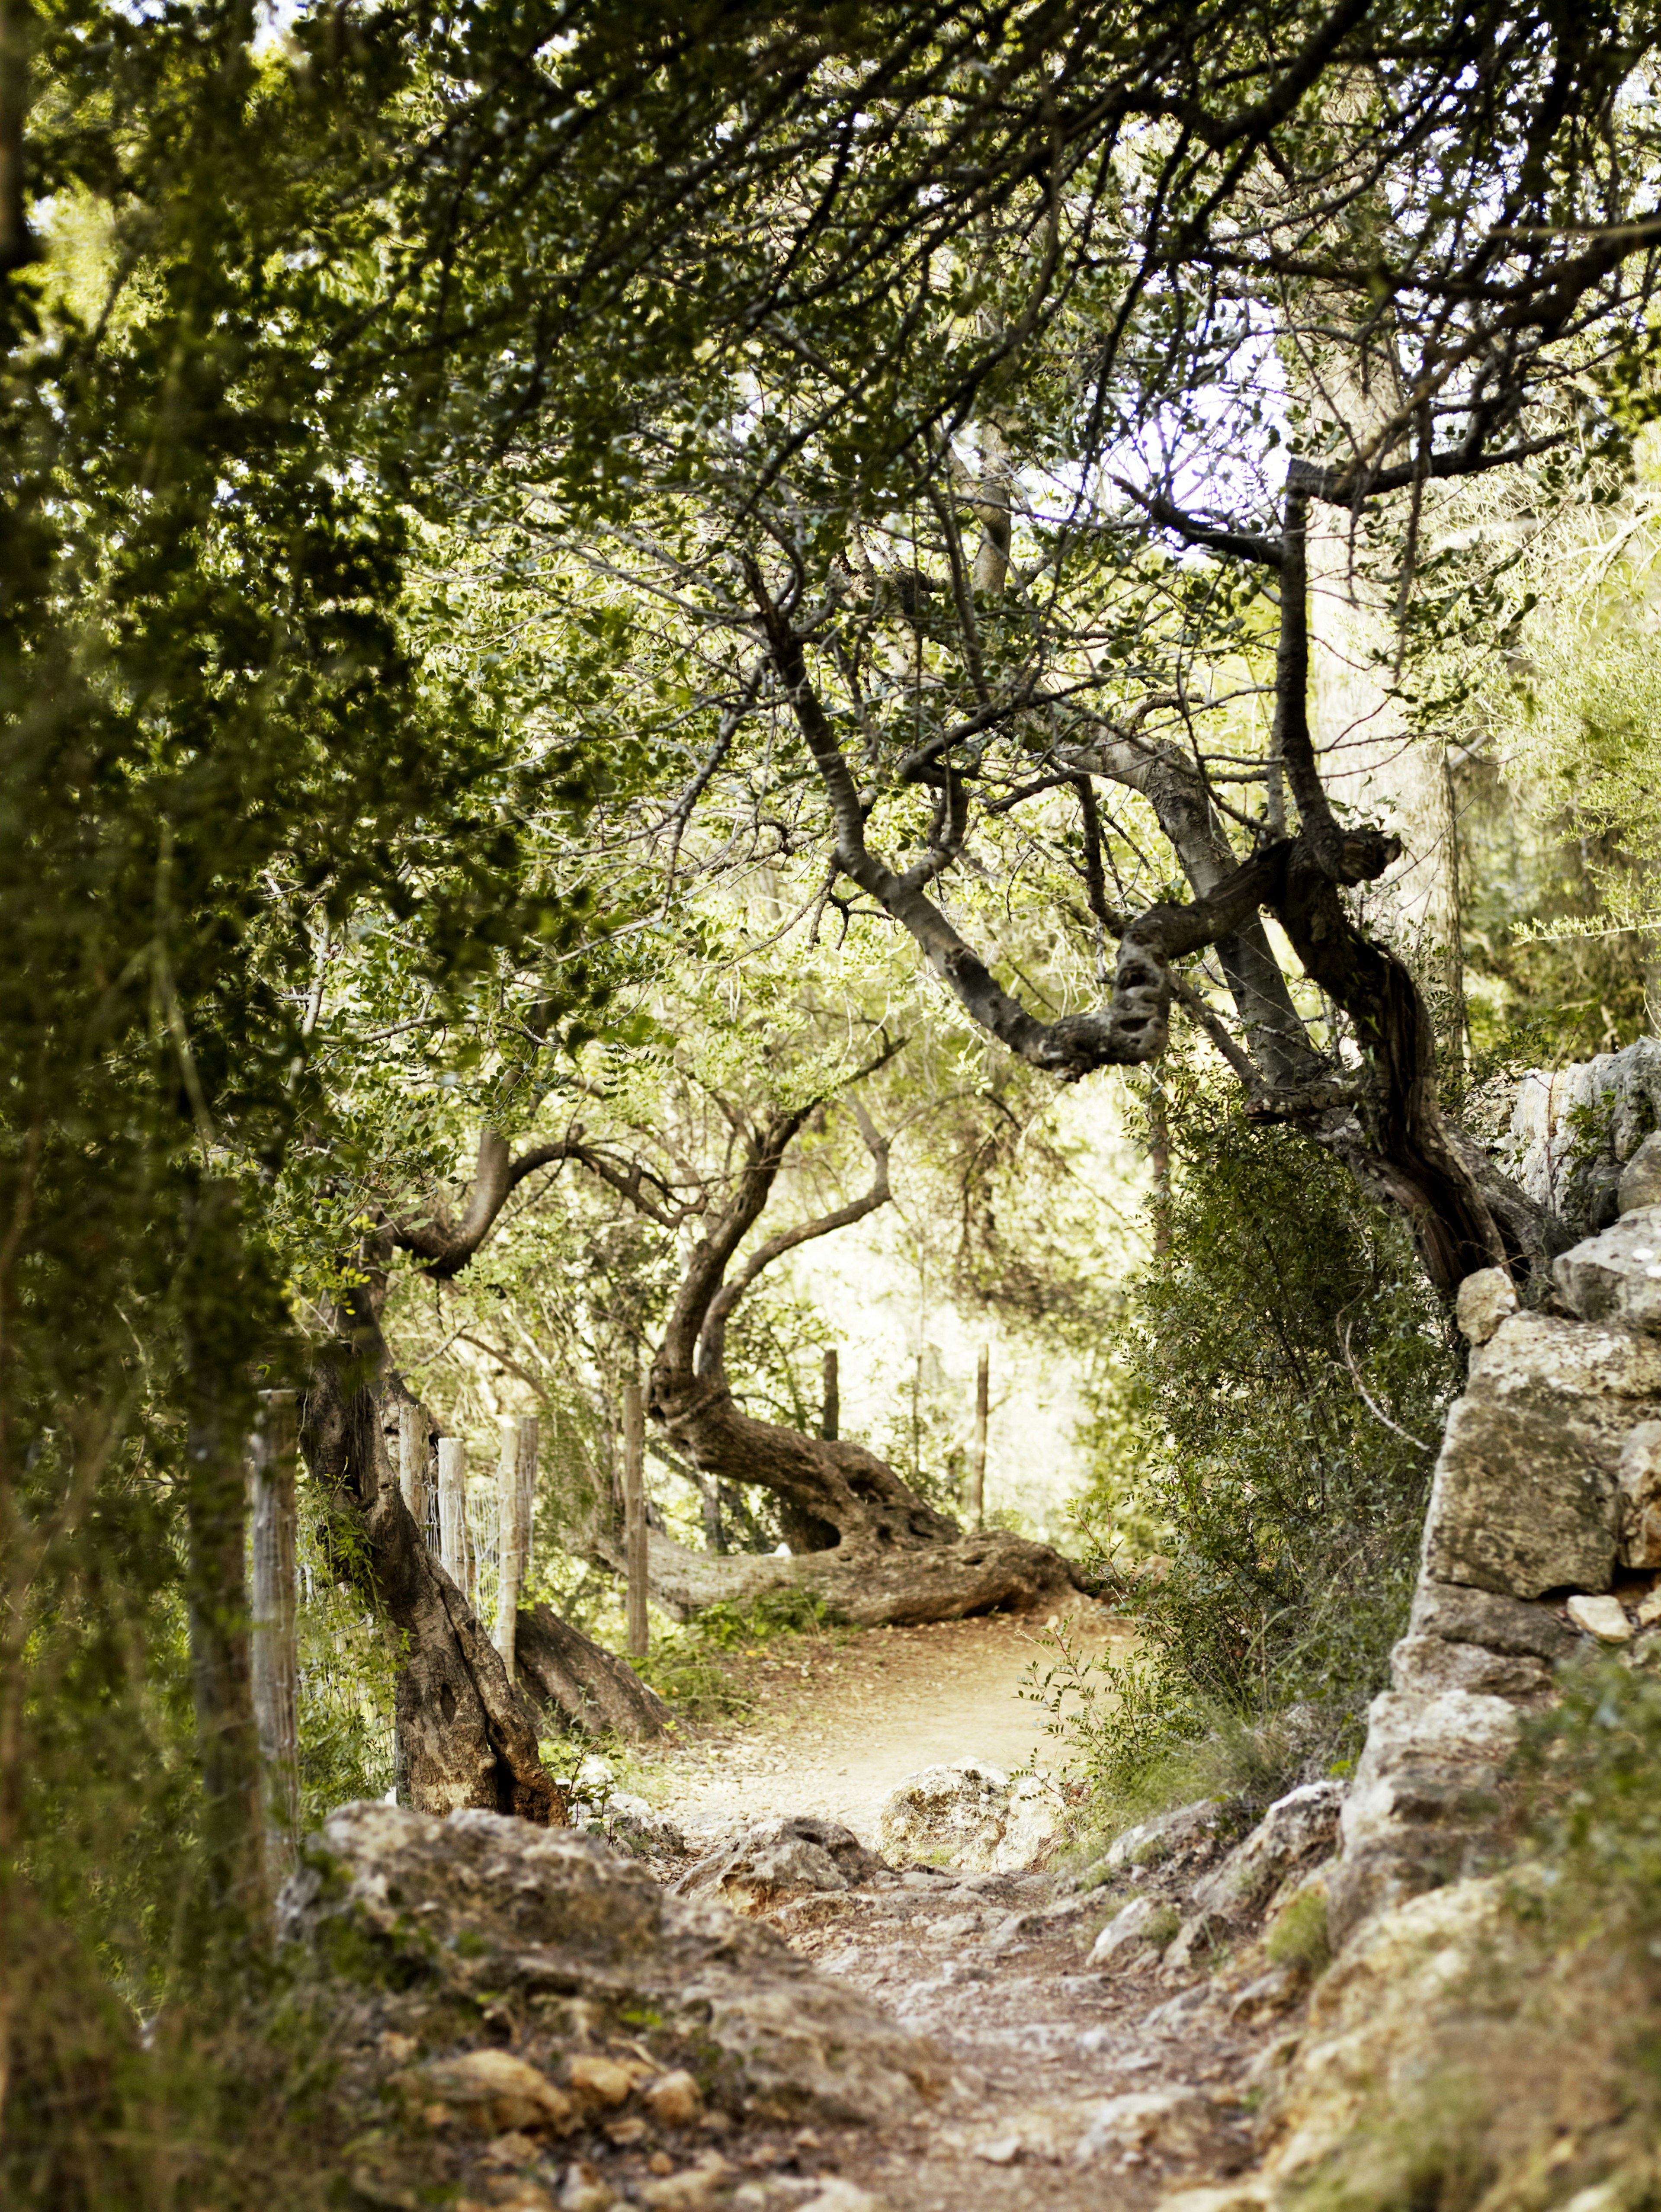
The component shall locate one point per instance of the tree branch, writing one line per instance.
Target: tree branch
(712, 1342)
(447, 1251)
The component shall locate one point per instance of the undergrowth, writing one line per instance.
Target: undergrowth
(1281, 1376)
(700, 1667)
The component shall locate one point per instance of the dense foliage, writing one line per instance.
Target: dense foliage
(502, 513)
(1281, 1375)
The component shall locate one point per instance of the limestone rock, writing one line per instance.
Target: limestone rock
(1605, 1618)
(1547, 1141)
(1175, 2119)
(1143, 1924)
(1520, 1503)
(1420, 1807)
(494, 2091)
(1297, 1830)
(1374, 2018)
(1149, 1841)
(970, 1816)
(834, 2194)
(1426, 1666)
(1640, 1179)
(1637, 1480)
(771, 1861)
(1616, 1276)
(1459, 1615)
(405, 1921)
(632, 1826)
(1199, 1935)
(1485, 1299)
(674, 2100)
(1541, 1358)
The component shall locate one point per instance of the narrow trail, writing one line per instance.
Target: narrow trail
(839, 1726)
(1064, 2084)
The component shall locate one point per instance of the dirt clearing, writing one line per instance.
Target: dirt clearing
(839, 1726)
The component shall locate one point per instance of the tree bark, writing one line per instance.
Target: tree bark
(872, 1586)
(468, 1737)
(275, 1658)
(221, 1675)
(581, 1687)
(634, 1519)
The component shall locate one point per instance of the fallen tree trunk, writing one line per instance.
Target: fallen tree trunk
(993, 1571)
(861, 1538)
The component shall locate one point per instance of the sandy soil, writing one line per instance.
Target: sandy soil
(839, 1726)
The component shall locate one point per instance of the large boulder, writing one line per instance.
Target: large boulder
(1526, 1496)
(968, 1816)
(1376, 2019)
(1422, 1808)
(1552, 1522)
(428, 1936)
(1453, 1615)
(1616, 1276)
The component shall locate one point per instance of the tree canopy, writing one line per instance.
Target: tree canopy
(619, 625)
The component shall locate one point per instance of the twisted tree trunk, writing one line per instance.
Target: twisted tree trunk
(885, 1554)
(467, 1736)
(582, 1688)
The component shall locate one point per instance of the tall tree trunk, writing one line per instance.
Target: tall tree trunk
(276, 1662)
(222, 1675)
(467, 1736)
(215, 1573)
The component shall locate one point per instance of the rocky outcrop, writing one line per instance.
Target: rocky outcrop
(772, 1863)
(1298, 1830)
(1542, 1533)
(427, 1936)
(1575, 1130)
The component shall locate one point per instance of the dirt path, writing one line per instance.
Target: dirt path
(1035, 2074)
(839, 1727)
(1067, 2084)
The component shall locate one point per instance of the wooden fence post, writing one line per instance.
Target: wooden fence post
(412, 1462)
(976, 1502)
(508, 1565)
(633, 1514)
(454, 1550)
(275, 1644)
(830, 1424)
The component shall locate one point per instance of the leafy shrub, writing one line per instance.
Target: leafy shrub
(1590, 1768)
(1281, 1374)
(698, 1667)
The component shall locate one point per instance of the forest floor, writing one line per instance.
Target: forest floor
(1064, 2087)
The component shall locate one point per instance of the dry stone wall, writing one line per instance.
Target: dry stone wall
(1541, 1542)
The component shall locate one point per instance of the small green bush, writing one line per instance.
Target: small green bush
(1590, 1768)
(695, 1665)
